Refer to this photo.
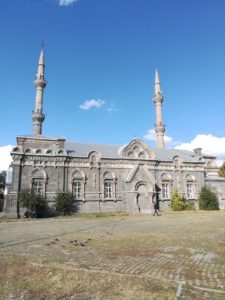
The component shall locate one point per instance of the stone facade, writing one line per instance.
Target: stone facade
(106, 178)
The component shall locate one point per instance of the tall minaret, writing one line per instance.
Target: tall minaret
(40, 83)
(158, 100)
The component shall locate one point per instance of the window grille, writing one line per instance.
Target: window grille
(37, 186)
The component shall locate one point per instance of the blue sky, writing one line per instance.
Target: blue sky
(103, 53)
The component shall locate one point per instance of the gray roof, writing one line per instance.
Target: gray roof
(39, 137)
(214, 178)
(113, 151)
(83, 150)
(169, 154)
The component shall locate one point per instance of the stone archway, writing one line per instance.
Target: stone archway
(143, 199)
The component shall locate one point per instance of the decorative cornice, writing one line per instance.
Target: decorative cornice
(110, 163)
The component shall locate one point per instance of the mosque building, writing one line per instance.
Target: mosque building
(108, 178)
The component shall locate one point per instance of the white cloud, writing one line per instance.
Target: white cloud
(66, 2)
(5, 157)
(88, 104)
(210, 144)
(151, 136)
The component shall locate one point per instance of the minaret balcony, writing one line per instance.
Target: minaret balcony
(40, 83)
(158, 98)
(160, 128)
(38, 117)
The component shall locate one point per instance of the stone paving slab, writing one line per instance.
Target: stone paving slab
(182, 247)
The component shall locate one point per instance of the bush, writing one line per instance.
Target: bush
(34, 203)
(190, 205)
(222, 170)
(208, 200)
(178, 202)
(65, 204)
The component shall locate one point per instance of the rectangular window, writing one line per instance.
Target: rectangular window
(77, 189)
(190, 191)
(37, 186)
(165, 191)
(107, 189)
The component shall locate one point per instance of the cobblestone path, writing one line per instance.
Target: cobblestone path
(186, 248)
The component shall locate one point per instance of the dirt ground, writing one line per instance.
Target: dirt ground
(116, 256)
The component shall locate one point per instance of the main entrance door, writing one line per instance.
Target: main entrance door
(143, 200)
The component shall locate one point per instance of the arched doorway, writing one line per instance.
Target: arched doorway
(143, 198)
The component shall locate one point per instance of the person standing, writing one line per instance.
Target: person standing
(155, 203)
(155, 208)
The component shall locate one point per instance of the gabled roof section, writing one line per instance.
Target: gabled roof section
(136, 169)
(137, 149)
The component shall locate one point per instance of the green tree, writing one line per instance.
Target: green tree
(208, 200)
(222, 170)
(2, 188)
(65, 204)
(178, 202)
(2, 180)
(33, 202)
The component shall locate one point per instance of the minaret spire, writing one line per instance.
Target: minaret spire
(40, 83)
(158, 100)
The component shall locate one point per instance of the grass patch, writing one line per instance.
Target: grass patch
(3, 219)
(101, 215)
(117, 256)
(22, 279)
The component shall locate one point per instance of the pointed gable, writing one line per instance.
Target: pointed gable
(137, 149)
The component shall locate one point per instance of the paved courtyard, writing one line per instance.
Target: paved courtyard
(183, 254)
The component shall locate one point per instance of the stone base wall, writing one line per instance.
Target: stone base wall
(164, 205)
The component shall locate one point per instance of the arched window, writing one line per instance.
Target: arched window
(16, 149)
(166, 184)
(78, 185)
(38, 186)
(38, 180)
(141, 155)
(165, 190)
(61, 151)
(190, 186)
(190, 190)
(109, 185)
(108, 189)
(77, 189)
(130, 154)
